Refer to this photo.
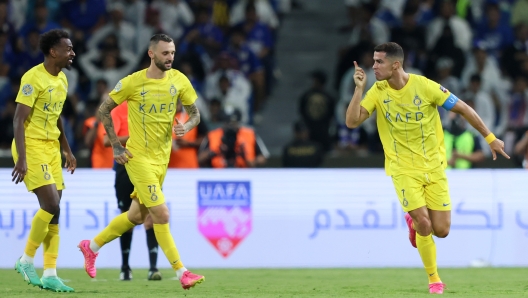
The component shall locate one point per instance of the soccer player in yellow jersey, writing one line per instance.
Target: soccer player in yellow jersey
(152, 95)
(411, 133)
(39, 136)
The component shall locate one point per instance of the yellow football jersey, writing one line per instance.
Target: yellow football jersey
(45, 94)
(409, 124)
(151, 109)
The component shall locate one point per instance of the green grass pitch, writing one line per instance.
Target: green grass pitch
(481, 282)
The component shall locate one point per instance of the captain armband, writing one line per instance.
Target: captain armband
(450, 102)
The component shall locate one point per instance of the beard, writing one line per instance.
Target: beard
(161, 65)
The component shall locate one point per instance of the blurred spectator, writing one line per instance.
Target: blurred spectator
(86, 16)
(484, 65)
(30, 54)
(7, 53)
(495, 32)
(41, 22)
(410, 36)
(135, 12)
(259, 39)
(316, 107)
(123, 30)
(202, 39)
(5, 24)
(482, 102)
(232, 146)
(111, 65)
(301, 152)
(7, 113)
(5, 85)
(17, 12)
(463, 149)
(352, 139)
(234, 97)
(264, 10)
(445, 77)
(518, 108)
(369, 25)
(217, 113)
(521, 150)
(258, 35)
(94, 132)
(460, 28)
(184, 152)
(144, 33)
(347, 86)
(514, 60)
(249, 64)
(175, 15)
(237, 94)
(519, 13)
(69, 122)
(445, 46)
(101, 91)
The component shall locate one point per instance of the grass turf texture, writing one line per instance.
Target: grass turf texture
(481, 282)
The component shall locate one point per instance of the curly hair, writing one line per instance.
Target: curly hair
(50, 39)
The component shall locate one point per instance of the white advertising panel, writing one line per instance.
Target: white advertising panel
(283, 218)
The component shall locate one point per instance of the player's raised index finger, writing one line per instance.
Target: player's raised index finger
(356, 66)
(177, 121)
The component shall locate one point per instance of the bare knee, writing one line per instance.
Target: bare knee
(159, 214)
(423, 225)
(135, 218)
(441, 232)
(51, 208)
(148, 222)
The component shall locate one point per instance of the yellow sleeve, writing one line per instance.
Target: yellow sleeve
(187, 94)
(29, 90)
(438, 94)
(122, 90)
(369, 101)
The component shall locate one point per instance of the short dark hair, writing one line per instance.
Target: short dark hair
(391, 49)
(156, 38)
(50, 39)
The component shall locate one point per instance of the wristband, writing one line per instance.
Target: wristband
(490, 138)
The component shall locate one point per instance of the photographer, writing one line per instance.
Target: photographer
(232, 146)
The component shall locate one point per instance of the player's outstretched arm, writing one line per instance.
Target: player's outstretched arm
(21, 113)
(121, 154)
(194, 120)
(356, 114)
(71, 162)
(474, 119)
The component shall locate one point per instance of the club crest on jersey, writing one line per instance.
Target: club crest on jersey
(27, 89)
(417, 101)
(172, 90)
(118, 86)
(443, 89)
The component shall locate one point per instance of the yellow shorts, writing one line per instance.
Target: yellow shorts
(44, 161)
(147, 180)
(423, 189)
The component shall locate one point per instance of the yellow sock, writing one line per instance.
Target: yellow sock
(165, 241)
(51, 247)
(427, 249)
(38, 231)
(115, 228)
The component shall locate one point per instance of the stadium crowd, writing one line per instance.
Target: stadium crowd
(477, 49)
